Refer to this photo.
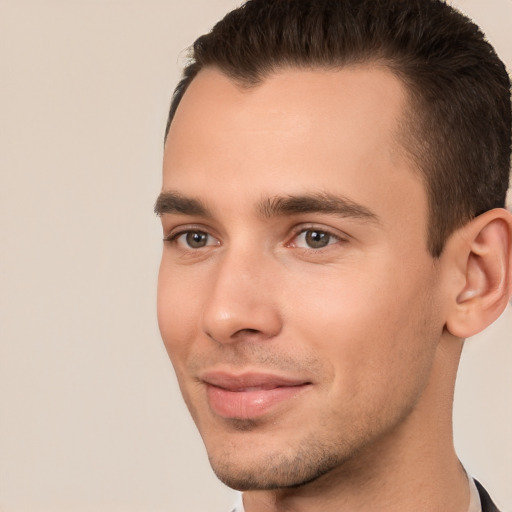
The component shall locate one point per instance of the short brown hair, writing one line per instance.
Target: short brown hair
(458, 127)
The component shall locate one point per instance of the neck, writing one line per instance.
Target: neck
(412, 467)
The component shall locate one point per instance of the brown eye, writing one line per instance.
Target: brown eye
(317, 239)
(314, 239)
(191, 240)
(196, 239)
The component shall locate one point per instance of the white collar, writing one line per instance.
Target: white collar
(474, 497)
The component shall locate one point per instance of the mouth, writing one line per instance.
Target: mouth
(250, 396)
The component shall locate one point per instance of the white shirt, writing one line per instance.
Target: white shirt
(474, 498)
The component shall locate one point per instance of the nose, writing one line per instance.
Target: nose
(242, 301)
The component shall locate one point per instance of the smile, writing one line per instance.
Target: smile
(249, 396)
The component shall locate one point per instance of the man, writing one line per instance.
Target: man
(335, 173)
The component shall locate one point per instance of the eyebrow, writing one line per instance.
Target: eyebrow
(172, 202)
(316, 203)
(276, 206)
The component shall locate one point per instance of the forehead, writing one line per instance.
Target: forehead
(298, 131)
(294, 99)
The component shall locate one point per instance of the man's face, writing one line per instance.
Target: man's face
(297, 300)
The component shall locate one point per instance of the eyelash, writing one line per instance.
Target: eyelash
(173, 237)
(332, 238)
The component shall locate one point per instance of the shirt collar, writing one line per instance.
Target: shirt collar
(474, 498)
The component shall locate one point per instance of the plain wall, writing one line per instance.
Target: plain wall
(90, 414)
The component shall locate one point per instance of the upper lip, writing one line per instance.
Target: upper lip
(252, 380)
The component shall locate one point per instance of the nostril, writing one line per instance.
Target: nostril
(248, 333)
(236, 336)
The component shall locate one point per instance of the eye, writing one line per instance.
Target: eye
(193, 239)
(314, 239)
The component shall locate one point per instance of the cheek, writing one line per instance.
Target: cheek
(178, 313)
(373, 327)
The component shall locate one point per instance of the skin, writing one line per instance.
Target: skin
(362, 320)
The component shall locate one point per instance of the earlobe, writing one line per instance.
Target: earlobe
(484, 255)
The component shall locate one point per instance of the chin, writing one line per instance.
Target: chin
(246, 470)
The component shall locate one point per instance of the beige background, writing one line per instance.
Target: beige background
(90, 414)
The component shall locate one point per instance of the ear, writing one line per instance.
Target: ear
(480, 254)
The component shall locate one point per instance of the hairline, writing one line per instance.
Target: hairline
(408, 124)
(411, 109)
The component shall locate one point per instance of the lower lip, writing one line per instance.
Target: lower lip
(249, 404)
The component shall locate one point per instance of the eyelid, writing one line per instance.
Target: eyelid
(174, 233)
(301, 228)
